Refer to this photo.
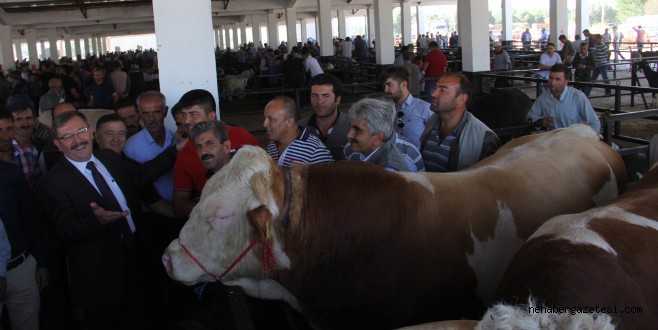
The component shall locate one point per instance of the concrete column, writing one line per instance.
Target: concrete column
(371, 26)
(303, 31)
(78, 50)
(6, 48)
(384, 32)
(67, 46)
(255, 30)
(508, 21)
(405, 22)
(219, 36)
(559, 20)
(272, 33)
(342, 24)
(42, 44)
(324, 28)
(291, 27)
(186, 23)
(227, 37)
(216, 38)
(87, 45)
(420, 20)
(31, 35)
(243, 33)
(582, 16)
(52, 40)
(18, 50)
(236, 42)
(474, 34)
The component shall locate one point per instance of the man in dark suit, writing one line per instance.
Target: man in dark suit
(95, 211)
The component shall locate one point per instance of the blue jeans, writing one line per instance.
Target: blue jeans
(603, 70)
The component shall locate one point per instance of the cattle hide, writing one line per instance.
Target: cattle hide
(360, 247)
(606, 258)
(502, 108)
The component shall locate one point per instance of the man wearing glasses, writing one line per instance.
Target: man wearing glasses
(92, 202)
(412, 112)
(454, 139)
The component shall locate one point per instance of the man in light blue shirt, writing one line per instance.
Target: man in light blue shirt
(547, 60)
(412, 113)
(153, 139)
(564, 105)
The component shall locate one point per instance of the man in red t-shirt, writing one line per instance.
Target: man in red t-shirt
(194, 107)
(434, 66)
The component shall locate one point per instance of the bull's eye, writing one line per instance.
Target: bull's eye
(222, 218)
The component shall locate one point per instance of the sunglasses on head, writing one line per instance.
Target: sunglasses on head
(400, 122)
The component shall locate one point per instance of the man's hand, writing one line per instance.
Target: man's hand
(105, 216)
(544, 122)
(43, 278)
(3, 289)
(183, 141)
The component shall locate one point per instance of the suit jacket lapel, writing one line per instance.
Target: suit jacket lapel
(78, 178)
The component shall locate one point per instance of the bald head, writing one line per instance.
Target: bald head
(63, 107)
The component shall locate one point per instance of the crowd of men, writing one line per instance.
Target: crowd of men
(87, 210)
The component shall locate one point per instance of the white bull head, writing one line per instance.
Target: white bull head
(231, 219)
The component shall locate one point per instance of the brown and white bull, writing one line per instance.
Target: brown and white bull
(603, 260)
(356, 245)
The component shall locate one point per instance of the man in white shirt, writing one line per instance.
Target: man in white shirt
(311, 64)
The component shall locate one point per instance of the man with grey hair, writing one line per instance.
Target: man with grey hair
(408, 150)
(211, 142)
(54, 95)
(289, 144)
(153, 139)
(371, 129)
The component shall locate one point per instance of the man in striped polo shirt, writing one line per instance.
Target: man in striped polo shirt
(601, 54)
(289, 144)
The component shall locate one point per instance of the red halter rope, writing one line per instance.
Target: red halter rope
(230, 267)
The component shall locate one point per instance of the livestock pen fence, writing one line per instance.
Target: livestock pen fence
(612, 113)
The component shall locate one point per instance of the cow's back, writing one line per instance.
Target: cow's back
(606, 257)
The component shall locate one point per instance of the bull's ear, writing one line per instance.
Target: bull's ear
(259, 187)
(260, 216)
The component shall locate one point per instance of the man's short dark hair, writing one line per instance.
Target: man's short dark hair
(20, 107)
(561, 68)
(6, 114)
(124, 103)
(110, 117)
(396, 73)
(550, 44)
(200, 97)
(63, 118)
(465, 86)
(433, 44)
(328, 79)
(218, 127)
(561, 37)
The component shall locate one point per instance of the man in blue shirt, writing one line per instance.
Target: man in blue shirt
(153, 138)
(564, 105)
(412, 113)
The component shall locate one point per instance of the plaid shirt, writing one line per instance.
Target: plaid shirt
(26, 159)
(42, 135)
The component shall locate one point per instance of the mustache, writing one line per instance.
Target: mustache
(83, 143)
(25, 126)
(207, 156)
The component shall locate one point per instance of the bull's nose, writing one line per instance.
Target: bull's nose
(166, 261)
